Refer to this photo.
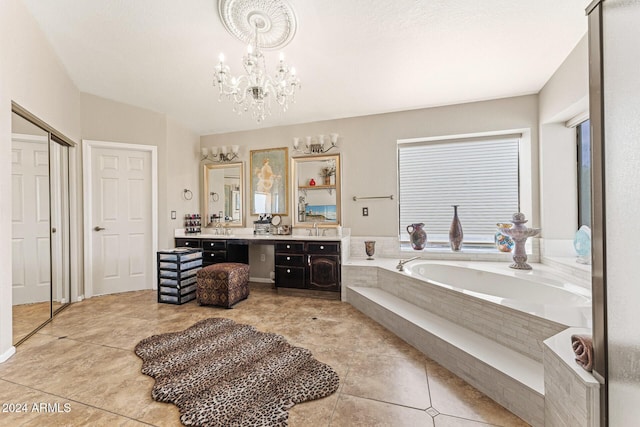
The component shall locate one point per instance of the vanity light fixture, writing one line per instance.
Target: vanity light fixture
(213, 155)
(315, 145)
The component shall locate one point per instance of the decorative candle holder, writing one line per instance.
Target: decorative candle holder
(519, 233)
(370, 248)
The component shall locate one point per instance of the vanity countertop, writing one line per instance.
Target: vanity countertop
(283, 237)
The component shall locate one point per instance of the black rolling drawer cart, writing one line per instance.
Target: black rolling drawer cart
(177, 271)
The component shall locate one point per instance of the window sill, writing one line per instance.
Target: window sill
(467, 253)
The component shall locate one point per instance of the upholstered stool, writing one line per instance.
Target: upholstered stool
(222, 284)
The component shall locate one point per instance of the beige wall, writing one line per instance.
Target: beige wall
(368, 148)
(32, 76)
(178, 161)
(563, 97)
(183, 172)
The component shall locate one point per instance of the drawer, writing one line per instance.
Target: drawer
(187, 243)
(171, 290)
(214, 256)
(180, 266)
(178, 275)
(290, 277)
(214, 245)
(175, 283)
(171, 256)
(290, 259)
(323, 248)
(176, 299)
(290, 247)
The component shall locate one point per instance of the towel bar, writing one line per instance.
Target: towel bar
(355, 199)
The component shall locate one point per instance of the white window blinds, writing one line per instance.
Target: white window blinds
(479, 175)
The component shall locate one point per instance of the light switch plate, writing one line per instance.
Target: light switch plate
(173, 214)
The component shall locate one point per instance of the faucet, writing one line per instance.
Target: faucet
(401, 263)
(315, 227)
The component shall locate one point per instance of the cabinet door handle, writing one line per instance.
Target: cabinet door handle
(309, 260)
(321, 247)
(288, 271)
(186, 243)
(98, 228)
(288, 246)
(288, 258)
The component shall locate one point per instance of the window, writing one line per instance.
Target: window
(584, 174)
(479, 175)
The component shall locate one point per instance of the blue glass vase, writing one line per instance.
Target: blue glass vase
(582, 245)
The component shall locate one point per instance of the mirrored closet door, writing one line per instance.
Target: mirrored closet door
(40, 226)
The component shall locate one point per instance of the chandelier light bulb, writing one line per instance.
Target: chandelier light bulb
(281, 56)
(249, 49)
(221, 57)
(205, 151)
(293, 71)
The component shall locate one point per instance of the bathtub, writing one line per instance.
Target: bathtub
(537, 293)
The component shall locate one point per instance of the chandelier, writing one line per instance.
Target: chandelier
(255, 90)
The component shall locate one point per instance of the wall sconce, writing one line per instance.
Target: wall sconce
(212, 154)
(315, 145)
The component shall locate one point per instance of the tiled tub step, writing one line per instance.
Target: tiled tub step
(508, 377)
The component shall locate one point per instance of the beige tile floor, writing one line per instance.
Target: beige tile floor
(82, 367)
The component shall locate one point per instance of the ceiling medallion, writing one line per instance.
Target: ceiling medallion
(274, 20)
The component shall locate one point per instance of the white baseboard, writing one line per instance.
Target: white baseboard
(260, 280)
(7, 354)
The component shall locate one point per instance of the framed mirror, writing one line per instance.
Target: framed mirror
(223, 198)
(316, 191)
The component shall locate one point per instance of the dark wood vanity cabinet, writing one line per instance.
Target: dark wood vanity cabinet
(290, 265)
(218, 250)
(308, 265)
(214, 251)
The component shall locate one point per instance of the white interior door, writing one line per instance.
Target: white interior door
(122, 243)
(30, 220)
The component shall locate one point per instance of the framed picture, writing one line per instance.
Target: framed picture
(270, 181)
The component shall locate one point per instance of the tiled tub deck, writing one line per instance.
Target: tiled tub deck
(497, 349)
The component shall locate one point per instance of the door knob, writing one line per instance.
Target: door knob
(53, 230)
(98, 228)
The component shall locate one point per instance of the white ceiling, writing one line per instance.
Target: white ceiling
(354, 57)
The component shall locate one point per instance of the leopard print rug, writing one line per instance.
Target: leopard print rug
(221, 373)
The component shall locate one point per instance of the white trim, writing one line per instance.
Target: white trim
(7, 354)
(75, 266)
(577, 119)
(516, 133)
(261, 280)
(87, 146)
(43, 139)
